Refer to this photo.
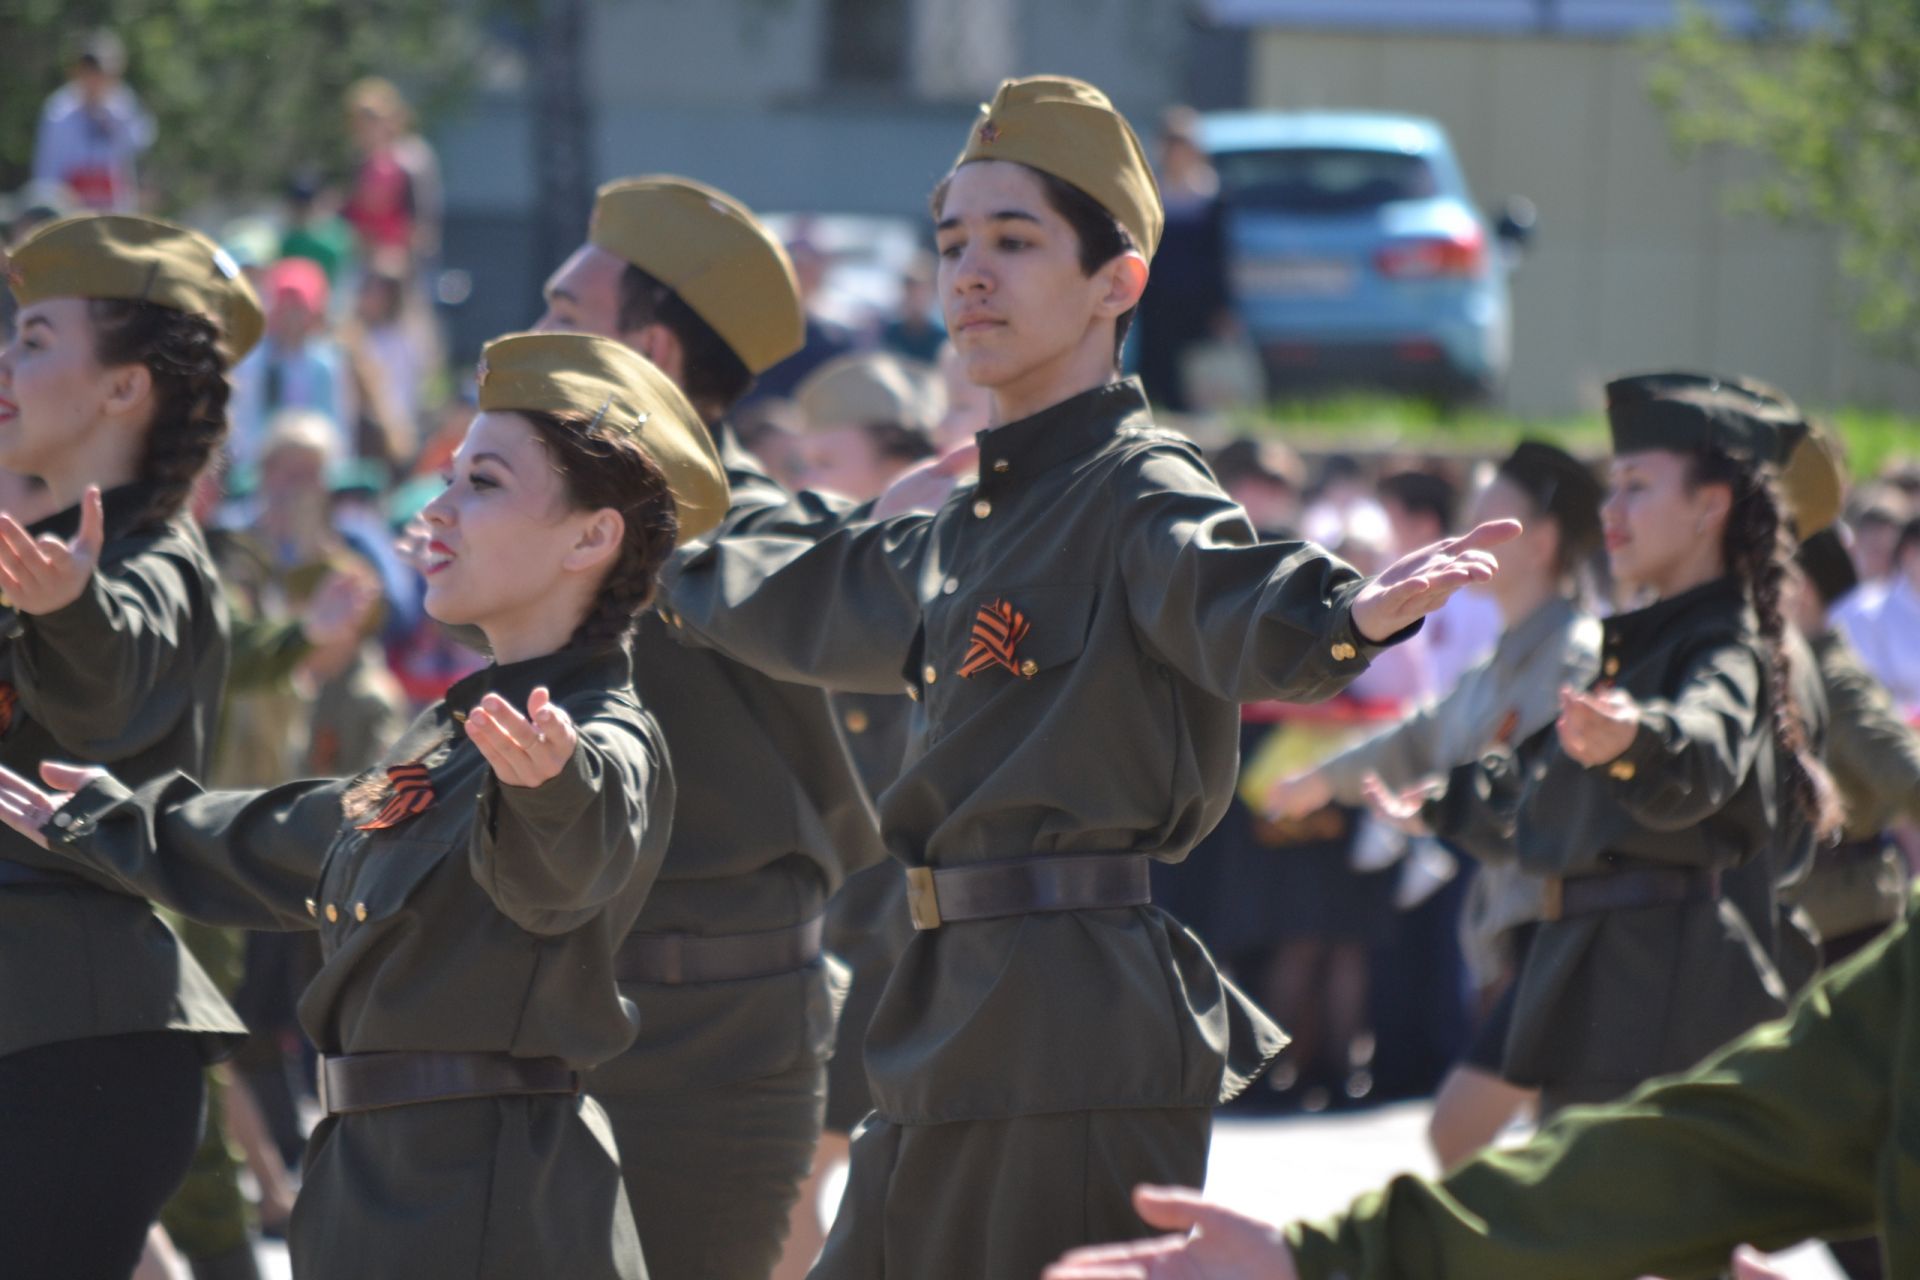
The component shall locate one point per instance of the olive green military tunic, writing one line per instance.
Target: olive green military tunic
(1804, 1127)
(1609, 998)
(486, 921)
(1080, 1049)
(1510, 696)
(1874, 757)
(718, 1102)
(129, 675)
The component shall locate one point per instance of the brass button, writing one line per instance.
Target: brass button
(856, 722)
(333, 914)
(982, 509)
(929, 674)
(950, 586)
(1001, 466)
(1612, 667)
(1621, 769)
(1344, 652)
(459, 717)
(313, 908)
(1029, 668)
(360, 911)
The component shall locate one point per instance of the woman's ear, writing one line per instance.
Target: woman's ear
(1126, 280)
(1716, 504)
(598, 544)
(129, 389)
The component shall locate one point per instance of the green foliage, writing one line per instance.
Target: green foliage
(244, 91)
(1872, 439)
(1835, 110)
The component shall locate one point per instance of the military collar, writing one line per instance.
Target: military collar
(1723, 598)
(563, 671)
(1026, 448)
(124, 508)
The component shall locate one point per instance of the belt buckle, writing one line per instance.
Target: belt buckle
(1553, 898)
(922, 903)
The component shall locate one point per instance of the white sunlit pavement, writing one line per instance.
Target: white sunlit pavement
(1305, 1167)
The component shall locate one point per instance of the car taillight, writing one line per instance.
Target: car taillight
(1433, 257)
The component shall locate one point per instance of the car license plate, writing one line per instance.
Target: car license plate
(1295, 278)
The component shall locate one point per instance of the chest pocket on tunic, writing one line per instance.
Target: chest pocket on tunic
(381, 875)
(993, 640)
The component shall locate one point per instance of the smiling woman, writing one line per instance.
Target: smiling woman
(115, 651)
(471, 891)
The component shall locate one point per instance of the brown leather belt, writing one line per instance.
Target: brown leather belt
(371, 1081)
(1626, 890)
(1026, 886)
(674, 958)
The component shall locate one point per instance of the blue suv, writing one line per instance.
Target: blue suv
(1357, 257)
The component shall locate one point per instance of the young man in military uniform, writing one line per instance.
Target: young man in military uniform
(1078, 627)
(717, 1106)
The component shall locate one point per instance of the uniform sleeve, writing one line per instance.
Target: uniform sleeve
(1479, 808)
(840, 612)
(1245, 620)
(1870, 745)
(264, 654)
(247, 859)
(552, 856)
(110, 674)
(1402, 755)
(1773, 1140)
(1692, 752)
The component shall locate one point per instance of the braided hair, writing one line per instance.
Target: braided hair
(182, 352)
(599, 468)
(1757, 543)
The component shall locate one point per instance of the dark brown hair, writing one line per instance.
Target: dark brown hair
(1101, 237)
(603, 468)
(1758, 547)
(182, 352)
(713, 376)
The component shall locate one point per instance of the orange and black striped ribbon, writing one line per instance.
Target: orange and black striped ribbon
(998, 630)
(412, 792)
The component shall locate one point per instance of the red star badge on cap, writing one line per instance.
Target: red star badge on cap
(989, 133)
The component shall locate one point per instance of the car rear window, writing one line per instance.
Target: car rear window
(1322, 179)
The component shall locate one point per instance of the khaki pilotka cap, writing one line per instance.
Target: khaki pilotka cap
(1067, 128)
(866, 389)
(710, 249)
(1739, 416)
(120, 256)
(615, 385)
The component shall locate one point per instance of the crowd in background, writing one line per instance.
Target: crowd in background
(344, 417)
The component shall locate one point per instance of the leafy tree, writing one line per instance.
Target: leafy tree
(243, 91)
(1832, 102)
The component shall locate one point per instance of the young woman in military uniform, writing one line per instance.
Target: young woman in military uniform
(1685, 761)
(114, 650)
(472, 894)
(1551, 640)
(1078, 627)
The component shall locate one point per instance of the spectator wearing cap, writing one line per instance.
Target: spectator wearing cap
(297, 366)
(93, 130)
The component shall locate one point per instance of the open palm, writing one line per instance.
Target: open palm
(1218, 1244)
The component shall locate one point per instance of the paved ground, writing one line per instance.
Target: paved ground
(1305, 1167)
